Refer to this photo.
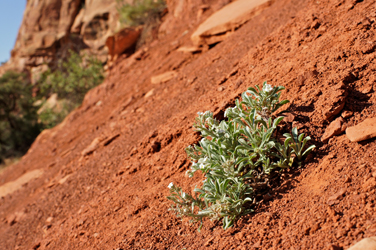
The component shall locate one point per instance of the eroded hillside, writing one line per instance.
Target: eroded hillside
(103, 172)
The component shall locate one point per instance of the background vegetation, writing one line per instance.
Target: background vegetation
(140, 12)
(18, 116)
(20, 120)
(70, 81)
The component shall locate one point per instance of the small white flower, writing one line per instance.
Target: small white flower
(267, 88)
(170, 185)
(200, 113)
(184, 195)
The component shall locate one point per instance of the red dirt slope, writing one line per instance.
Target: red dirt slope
(107, 167)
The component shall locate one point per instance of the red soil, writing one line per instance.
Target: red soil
(115, 196)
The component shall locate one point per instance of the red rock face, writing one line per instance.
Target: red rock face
(51, 27)
(43, 25)
(123, 40)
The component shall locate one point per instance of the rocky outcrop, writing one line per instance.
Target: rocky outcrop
(51, 27)
(123, 40)
(225, 21)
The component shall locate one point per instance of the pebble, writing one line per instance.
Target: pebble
(346, 114)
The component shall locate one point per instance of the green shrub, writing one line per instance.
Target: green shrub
(18, 115)
(20, 122)
(140, 12)
(49, 117)
(237, 156)
(72, 79)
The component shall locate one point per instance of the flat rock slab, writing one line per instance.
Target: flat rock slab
(363, 131)
(365, 244)
(165, 77)
(12, 186)
(228, 18)
(189, 49)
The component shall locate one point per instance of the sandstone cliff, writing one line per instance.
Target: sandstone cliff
(51, 27)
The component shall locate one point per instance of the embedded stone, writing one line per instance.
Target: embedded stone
(92, 147)
(289, 117)
(334, 128)
(363, 131)
(367, 243)
(346, 114)
(165, 77)
(226, 20)
(190, 49)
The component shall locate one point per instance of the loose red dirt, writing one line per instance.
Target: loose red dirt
(112, 195)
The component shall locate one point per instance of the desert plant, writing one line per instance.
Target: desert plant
(72, 78)
(70, 81)
(140, 11)
(18, 115)
(50, 117)
(236, 156)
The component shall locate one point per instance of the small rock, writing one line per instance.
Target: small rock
(163, 77)
(289, 117)
(343, 128)
(155, 146)
(346, 114)
(315, 25)
(209, 241)
(14, 218)
(92, 147)
(331, 103)
(190, 49)
(220, 89)
(336, 197)
(367, 243)
(63, 180)
(11, 219)
(49, 219)
(239, 236)
(150, 93)
(334, 128)
(367, 89)
(363, 131)
(334, 247)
